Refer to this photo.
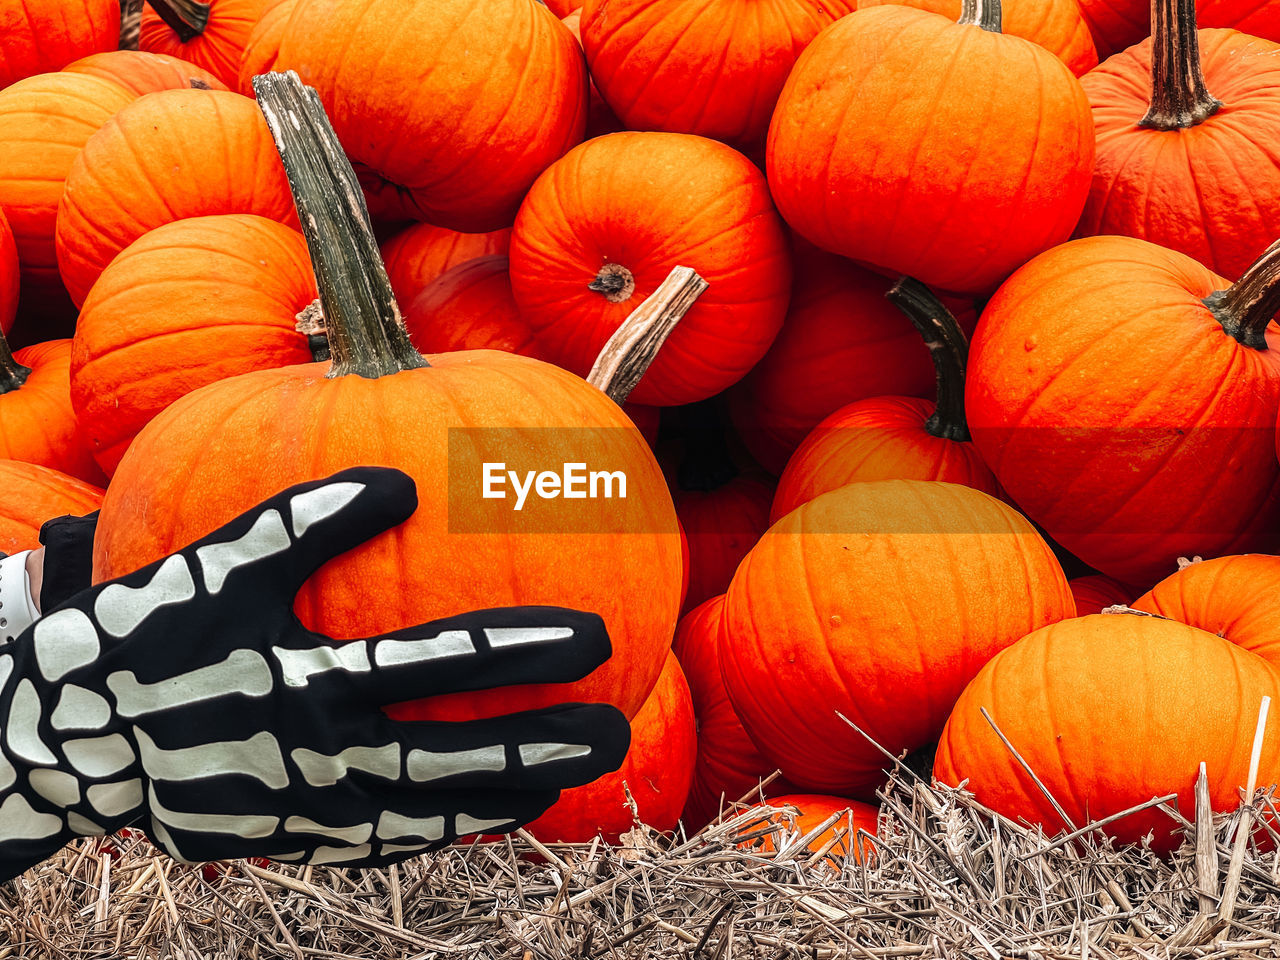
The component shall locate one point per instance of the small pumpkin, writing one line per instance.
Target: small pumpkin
(418, 254)
(958, 179)
(808, 811)
(30, 495)
(40, 36)
(141, 73)
(1095, 592)
(210, 33)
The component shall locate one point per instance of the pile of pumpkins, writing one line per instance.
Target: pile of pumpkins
(987, 297)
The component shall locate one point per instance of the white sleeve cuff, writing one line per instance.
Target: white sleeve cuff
(17, 609)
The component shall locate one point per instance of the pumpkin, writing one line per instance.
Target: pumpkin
(418, 254)
(605, 225)
(958, 178)
(563, 8)
(811, 810)
(1125, 398)
(600, 119)
(841, 341)
(895, 438)
(825, 614)
(1094, 593)
(1186, 697)
(8, 275)
(37, 422)
(1231, 597)
(714, 69)
(469, 307)
(165, 157)
(39, 36)
(473, 99)
(382, 403)
(263, 45)
(1057, 25)
(1116, 24)
(30, 495)
(191, 302)
(210, 33)
(141, 73)
(729, 766)
(1160, 172)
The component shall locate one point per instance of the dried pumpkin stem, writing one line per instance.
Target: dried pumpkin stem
(363, 323)
(634, 345)
(130, 23)
(12, 374)
(187, 18)
(1246, 307)
(947, 346)
(1179, 98)
(981, 13)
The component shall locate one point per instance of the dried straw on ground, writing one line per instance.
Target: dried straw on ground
(948, 878)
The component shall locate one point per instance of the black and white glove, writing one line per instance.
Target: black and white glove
(188, 698)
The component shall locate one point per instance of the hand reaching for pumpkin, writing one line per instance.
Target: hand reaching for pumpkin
(187, 697)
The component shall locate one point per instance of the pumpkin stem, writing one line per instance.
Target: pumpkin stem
(707, 464)
(130, 23)
(1179, 98)
(1247, 306)
(947, 346)
(186, 18)
(363, 323)
(12, 374)
(981, 13)
(628, 353)
(615, 282)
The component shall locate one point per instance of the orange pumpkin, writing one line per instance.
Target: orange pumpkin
(1094, 593)
(384, 404)
(714, 69)
(895, 438)
(263, 45)
(472, 98)
(823, 615)
(165, 157)
(142, 73)
(191, 302)
(39, 36)
(418, 254)
(605, 225)
(210, 33)
(1187, 697)
(1161, 172)
(1232, 597)
(813, 809)
(8, 275)
(958, 179)
(30, 495)
(469, 307)
(1132, 441)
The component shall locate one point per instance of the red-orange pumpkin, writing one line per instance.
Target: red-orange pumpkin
(1117, 411)
(879, 600)
(1177, 160)
(210, 33)
(30, 495)
(814, 809)
(604, 226)
(455, 105)
(1095, 592)
(142, 73)
(1116, 24)
(1187, 697)
(713, 68)
(957, 179)
(165, 157)
(418, 254)
(191, 302)
(469, 307)
(895, 438)
(263, 45)
(38, 36)
(8, 275)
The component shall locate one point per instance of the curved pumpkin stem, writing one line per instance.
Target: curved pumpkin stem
(186, 18)
(1246, 307)
(362, 321)
(629, 352)
(982, 13)
(947, 346)
(12, 373)
(1179, 98)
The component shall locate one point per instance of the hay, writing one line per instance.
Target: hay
(948, 878)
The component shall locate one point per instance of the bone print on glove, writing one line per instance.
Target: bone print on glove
(188, 698)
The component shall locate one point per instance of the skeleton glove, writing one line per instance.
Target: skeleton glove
(187, 697)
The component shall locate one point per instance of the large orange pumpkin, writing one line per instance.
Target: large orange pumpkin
(1108, 397)
(713, 68)
(219, 450)
(142, 73)
(895, 438)
(210, 33)
(418, 254)
(958, 177)
(605, 225)
(8, 275)
(1057, 25)
(191, 302)
(455, 105)
(1177, 155)
(1111, 711)
(39, 36)
(828, 613)
(30, 495)
(165, 157)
